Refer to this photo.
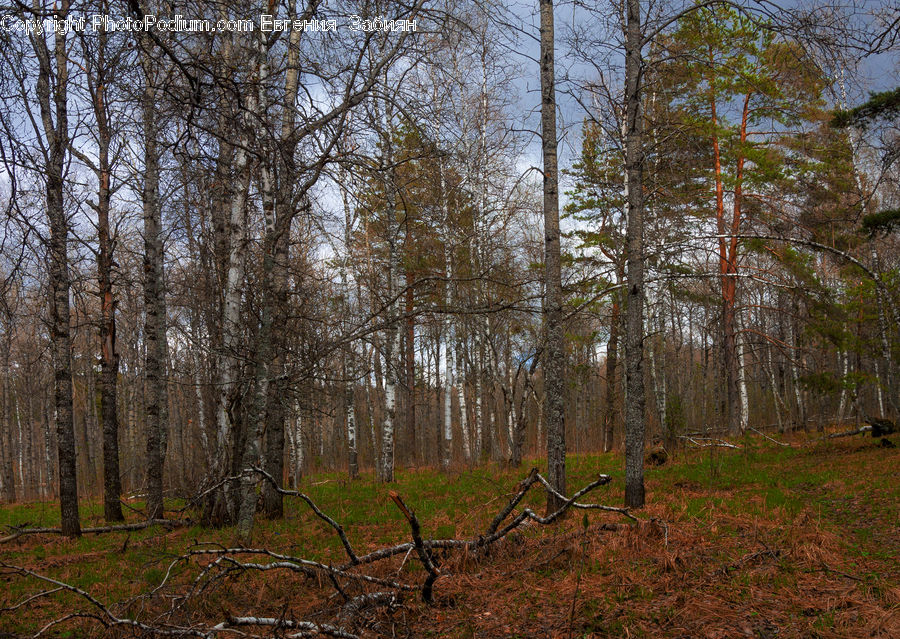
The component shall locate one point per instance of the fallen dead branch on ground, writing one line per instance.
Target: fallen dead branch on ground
(708, 442)
(348, 582)
(771, 439)
(22, 530)
(847, 433)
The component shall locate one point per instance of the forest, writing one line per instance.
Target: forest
(392, 293)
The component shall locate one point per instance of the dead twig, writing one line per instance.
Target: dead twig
(105, 616)
(433, 572)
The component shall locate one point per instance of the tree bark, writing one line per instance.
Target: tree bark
(109, 357)
(635, 418)
(612, 360)
(53, 102)
(554, 348)
(7, 476)
(728, 266)
(348, 364)
(154, 302)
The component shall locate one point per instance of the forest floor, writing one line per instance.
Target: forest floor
(763, 542)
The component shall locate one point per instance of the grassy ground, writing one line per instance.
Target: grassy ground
(761, 542)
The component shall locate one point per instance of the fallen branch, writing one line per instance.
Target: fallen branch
(492, 535)
(713, 442)
(291, 563)
(229, 562)
(754, 556)
(168, 523)
(433, 573)
(575, 504)
(354, 607)
(105, 617)
(774, 441)
(847, 433)
(338, 529)
(306, 628)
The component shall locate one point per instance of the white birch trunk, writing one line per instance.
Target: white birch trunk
(742, 384)
(795, 378)
(448, 407)
(390, 394)
(463, 409)
(229, 364)
(448, 326)
(658, 367)
(844, 360)
(349, 369)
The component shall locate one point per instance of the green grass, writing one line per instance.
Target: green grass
(725, 498)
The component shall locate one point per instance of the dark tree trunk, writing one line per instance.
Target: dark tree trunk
(410, 369)
(8, 494)
(282, 217)
(634, 328)
(612, 361)
(57, 134)
(554, 348)
(154, 308)
(109, 358)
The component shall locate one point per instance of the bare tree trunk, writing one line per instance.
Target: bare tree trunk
(377, 391)
(348, 357)
(612, 360)
(888, 366)
(554, 346)
(295, 443)
(478, 421)
(658, 368)
(7, 476)
(449, 333)
(48, 448)
(392, 339)
(742, 384)
(448, 400)
(409, 365)
(20, 448)
(223, 509)
(728, 268)
(461, 396)
(635, 419)
(109, 357)
(53, 103)
(154, 303)
(273, 223)
(282, 217)
(844, 363)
